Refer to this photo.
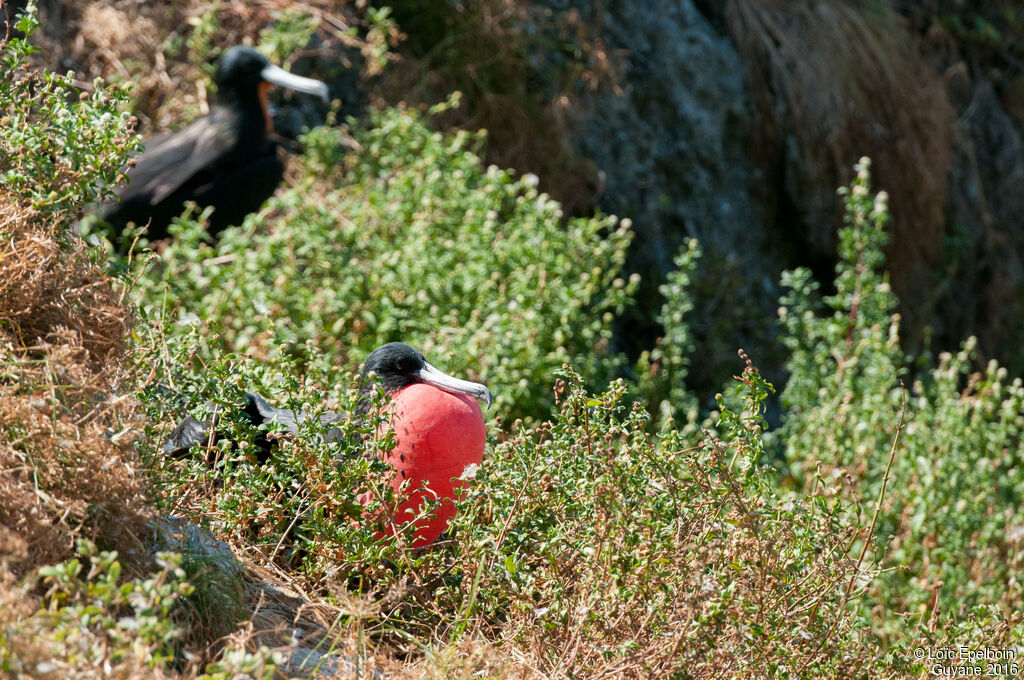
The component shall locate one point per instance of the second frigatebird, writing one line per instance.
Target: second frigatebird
(224, 159)
(438, 426)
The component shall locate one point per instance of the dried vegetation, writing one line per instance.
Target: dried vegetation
(64, 473)
(521, 68)
(867, 91)
(66, 470)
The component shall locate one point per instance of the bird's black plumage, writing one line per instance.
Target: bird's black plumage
(393, 366)
(225, 159)
(390, 367)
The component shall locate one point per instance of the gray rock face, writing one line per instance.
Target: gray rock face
(673, 150)
(300, 662)
(673, 145)
(985, 277)
(686, 150)
(175, 534)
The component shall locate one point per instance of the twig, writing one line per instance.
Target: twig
(870, 534)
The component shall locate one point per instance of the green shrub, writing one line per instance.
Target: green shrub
(95, 621)
(947, 527)
(132, 618)
(605, 549)
(588, 544)
(61, 148)
(410, 238)
(660, 374)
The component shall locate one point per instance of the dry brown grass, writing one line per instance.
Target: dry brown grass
(52, 293)
(146, 43)
(64, 473)
(69, 470)
(494, 52)
(836, 80)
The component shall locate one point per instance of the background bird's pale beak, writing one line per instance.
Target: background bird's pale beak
(443, 381)
(278, 76)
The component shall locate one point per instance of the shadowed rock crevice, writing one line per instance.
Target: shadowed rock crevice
(674, 149)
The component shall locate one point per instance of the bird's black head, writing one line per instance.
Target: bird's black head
(239, 72)
(397, 365)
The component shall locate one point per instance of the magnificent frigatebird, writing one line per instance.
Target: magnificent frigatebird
(225, 159)
(439, 431)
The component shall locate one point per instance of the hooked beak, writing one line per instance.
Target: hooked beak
(278, 76)
(443, 381)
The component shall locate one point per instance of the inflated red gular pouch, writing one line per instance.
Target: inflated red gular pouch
(438, 435)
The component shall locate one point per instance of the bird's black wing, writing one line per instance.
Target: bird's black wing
(332, 434)
(174, 159)
(259, 412)
(188, 432)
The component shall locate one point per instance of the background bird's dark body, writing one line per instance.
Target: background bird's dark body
(225, 160)
(238, 169)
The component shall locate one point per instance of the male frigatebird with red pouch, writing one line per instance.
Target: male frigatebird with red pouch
(224, 159)
(439, 432)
